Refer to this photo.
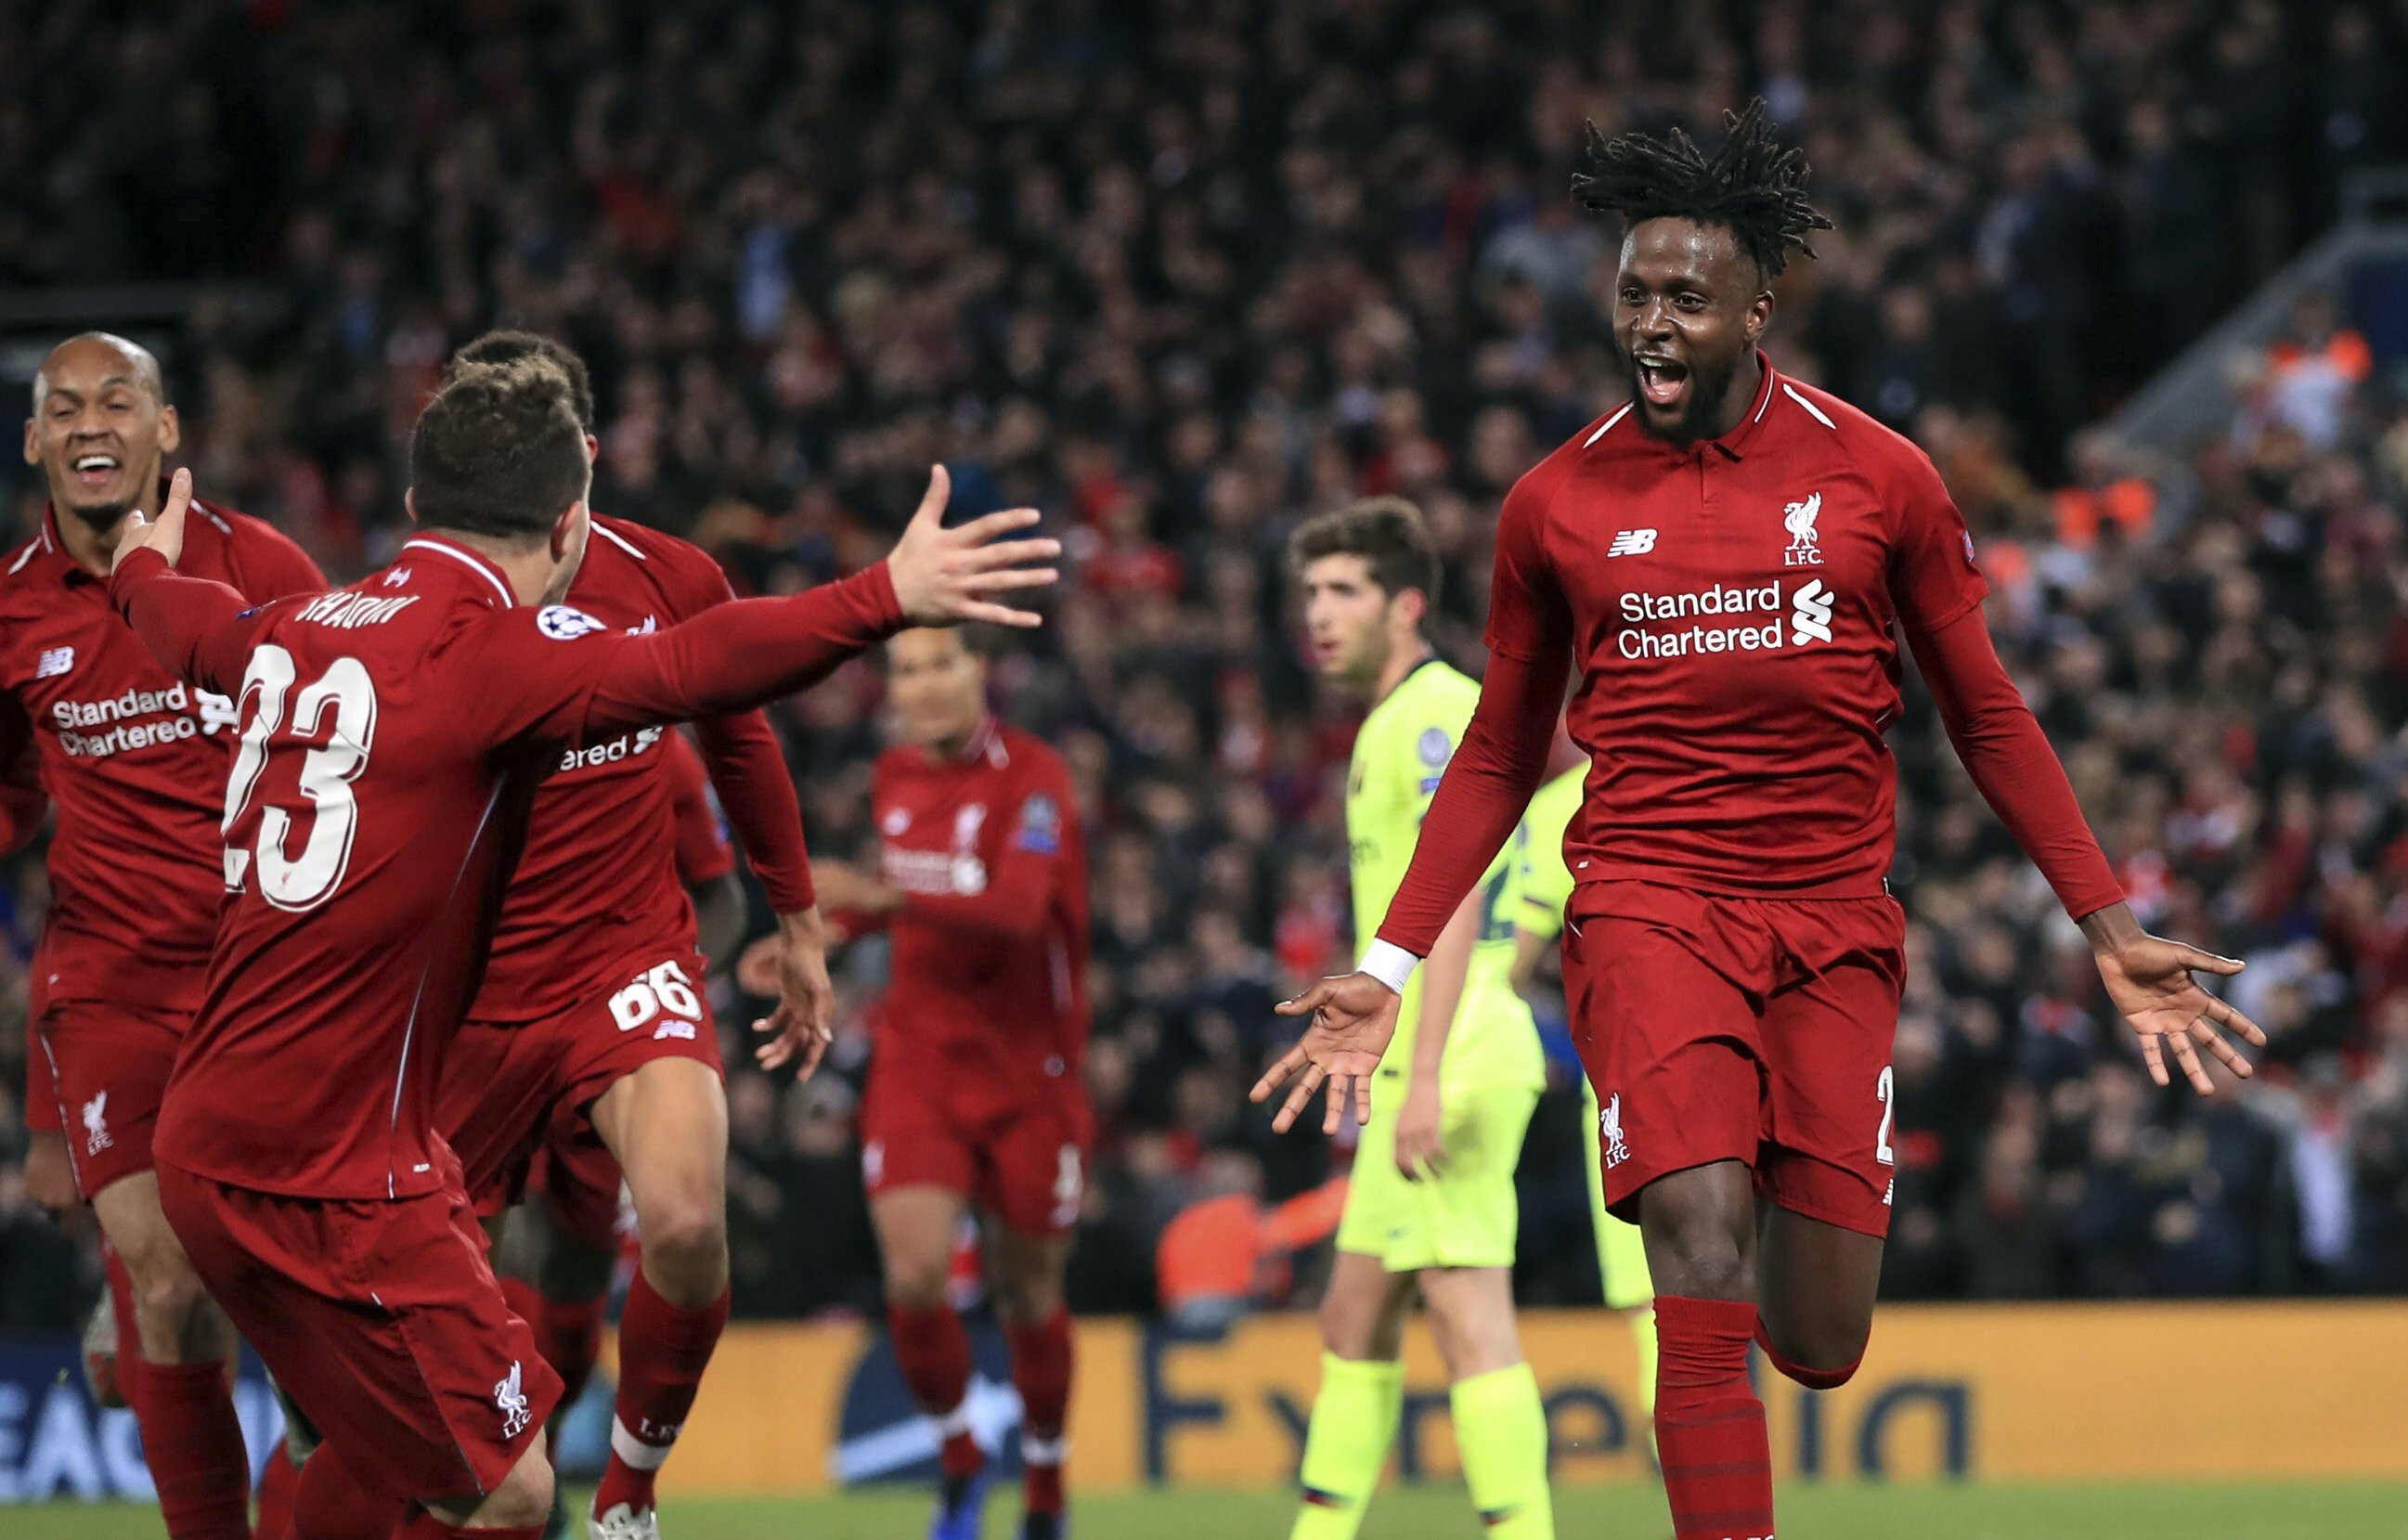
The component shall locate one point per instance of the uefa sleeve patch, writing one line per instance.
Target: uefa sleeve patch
(1969, 549)
(565, 623)
(1436, 747)
(1041, 825)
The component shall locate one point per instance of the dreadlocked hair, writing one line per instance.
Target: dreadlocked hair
(1753, 185)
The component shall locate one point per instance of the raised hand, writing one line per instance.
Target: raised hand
(2150, 980)
(1353, 1017)
(944, 577)
(167, 534)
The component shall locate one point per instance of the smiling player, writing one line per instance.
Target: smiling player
(1729, 560)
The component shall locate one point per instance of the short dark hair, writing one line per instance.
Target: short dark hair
(498, 452)
(1755, 186)
(509, 347)
(1388, 533)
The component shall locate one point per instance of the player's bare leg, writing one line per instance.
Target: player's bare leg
(667, 1125)
(1500, 1424)
(1700, 1233)
(1816, 1284)
(1027, 1272)
(180, 1392)
(1362, 1391)
(916, 1226)
(515, 1510)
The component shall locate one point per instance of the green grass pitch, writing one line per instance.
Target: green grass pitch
(2339, 1512)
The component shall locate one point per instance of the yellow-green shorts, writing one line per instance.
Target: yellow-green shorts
(1621, 1259)
(1466, 1214)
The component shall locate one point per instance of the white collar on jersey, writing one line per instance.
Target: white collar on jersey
(479, 565)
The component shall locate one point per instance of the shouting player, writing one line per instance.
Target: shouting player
(135, 760)
(1729, 558)
(976, 1089)
(1432, 1204)
(592, 1008)
(1546, 888)
(392, 736)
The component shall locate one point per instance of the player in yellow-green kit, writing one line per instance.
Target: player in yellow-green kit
(1546, 888)
(1431, 1204)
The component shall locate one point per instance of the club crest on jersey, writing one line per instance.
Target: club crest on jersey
(1799, 519)
(54, 661)
(565, 623)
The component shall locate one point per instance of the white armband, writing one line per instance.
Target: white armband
(1391, 964)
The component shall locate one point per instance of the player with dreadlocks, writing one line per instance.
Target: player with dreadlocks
(1730, 558)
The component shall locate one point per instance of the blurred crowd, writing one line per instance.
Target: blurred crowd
(1178, 274)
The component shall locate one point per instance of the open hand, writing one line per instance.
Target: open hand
(166, 535)
(2149, 979)
(1353, 1017)
(803, 1025)
(944, 577)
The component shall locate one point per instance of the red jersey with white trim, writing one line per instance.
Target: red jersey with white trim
(394, 734)
(1731, 606)
(988, 988)
(1732, 609)
(703, 852)
(597, 885)
(133, 759)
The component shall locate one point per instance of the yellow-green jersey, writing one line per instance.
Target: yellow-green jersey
(1400, 754)
(1546, 880)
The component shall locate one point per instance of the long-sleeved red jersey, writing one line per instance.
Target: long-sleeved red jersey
(133, 759)
(988, 997)
(597, 883)
(1733, 609)
(392, 736)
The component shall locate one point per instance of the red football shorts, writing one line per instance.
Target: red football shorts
(381, 1321)
(110, 1062)
(1023, 1161)
(1751, 1030)
(506, 1084)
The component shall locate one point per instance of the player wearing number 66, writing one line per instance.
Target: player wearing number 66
(392, 738)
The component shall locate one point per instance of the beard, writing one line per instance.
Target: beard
(1708, 384)
(100, 518)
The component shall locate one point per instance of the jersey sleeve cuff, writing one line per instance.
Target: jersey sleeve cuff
(1391, 964)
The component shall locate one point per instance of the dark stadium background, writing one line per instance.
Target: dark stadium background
(1180, 274)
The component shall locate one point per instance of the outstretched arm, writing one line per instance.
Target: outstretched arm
(195, 629)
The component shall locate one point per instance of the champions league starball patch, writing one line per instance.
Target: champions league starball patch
(1436, 747)
(565, 623)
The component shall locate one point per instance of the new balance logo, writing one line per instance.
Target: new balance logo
(1632, 542)
(1811, 619)
(1608, 1127)
(54, 662)
(95, 1125)
(509, 1399)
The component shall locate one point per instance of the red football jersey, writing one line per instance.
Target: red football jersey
(989, 971)
(703, 852)
(597, 885)
(1732, 610)
(133, 759)
(393, 737)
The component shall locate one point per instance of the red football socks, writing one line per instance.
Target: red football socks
(1040, 1367)
(329, 1503)
(422, 1525)
(934, 1354)
(662, 1350)
(1710, 1430)
(194, 1444)
(1813, 1380)
(277, 1481)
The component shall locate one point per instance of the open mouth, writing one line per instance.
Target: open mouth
(95, 471)
(1663, 382)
